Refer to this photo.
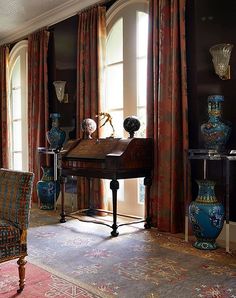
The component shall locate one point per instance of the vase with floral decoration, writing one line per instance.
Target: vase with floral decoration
(48, 189)
(215, 132)
(206, 215)
(55, 135)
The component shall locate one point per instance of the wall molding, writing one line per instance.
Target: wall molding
(51, 17)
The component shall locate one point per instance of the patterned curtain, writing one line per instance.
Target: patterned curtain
(90, 61)
(167, 108)
(37, 99)
(4, 138)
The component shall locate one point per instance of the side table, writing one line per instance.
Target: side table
(230, 157)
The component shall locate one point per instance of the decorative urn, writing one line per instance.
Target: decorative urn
(215, 132)
(55, 136)
(47, 189)
(206, 215)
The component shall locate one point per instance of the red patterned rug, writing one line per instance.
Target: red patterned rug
(39, 283)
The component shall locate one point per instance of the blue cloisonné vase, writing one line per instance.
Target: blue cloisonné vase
(47, 189)
(55, 135)
(215, 133)
(206, 215)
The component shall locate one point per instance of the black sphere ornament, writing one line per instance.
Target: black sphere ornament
(131, 124)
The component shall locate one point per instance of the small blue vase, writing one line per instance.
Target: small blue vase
(55, 135)
(206, 215)
(47, 189)
(215, 133)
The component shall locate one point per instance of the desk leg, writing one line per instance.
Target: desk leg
(88, 192)
(114, 186)
(147, 183)
(63, 214)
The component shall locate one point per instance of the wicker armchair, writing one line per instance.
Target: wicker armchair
(15, 203)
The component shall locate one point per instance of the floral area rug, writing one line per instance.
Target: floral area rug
(137, 263)
(39, 283)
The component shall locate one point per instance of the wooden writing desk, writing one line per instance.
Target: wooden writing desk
(114, 159)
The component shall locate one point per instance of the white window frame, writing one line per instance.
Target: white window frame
(130, 105)
(19, 51)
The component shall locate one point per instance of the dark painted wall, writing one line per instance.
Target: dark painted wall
(62, 67)
(210, 22)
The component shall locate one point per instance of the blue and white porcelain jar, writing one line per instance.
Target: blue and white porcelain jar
(206, 215)
(55, 136)
(215, 132)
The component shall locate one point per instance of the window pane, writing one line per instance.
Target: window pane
(108, 192)
(17, 161)
(141, 81)
(114, 87)
(141, 133)
(18, 120)
(17, 144)
(16, 104)
(115, 43)
(142, 33)
(16, 74)
(117, 118)
(141, 191)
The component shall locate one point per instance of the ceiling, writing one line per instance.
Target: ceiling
(21, 17)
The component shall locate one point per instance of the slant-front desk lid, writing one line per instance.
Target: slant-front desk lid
(100, 149)
(92, 148)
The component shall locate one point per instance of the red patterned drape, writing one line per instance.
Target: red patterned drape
(37, 98)
(167, 109)
(4, 139)
(91, 46)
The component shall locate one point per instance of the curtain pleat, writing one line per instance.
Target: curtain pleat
(37, 99)
(90, 63)
(167, 108)
(4, 139)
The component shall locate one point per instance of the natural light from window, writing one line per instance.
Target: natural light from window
(18, 158)
(16, 116)
(114, 76)
(126, 79)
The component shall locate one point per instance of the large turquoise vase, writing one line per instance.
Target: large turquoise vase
(215, 132)
(206, 215)
(55, 136)
(48, 190)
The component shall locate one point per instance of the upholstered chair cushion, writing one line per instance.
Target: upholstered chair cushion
(8, 233)
(15, 195)
(15, 203)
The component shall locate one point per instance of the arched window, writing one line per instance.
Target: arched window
(18, 157)
(126, 63)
